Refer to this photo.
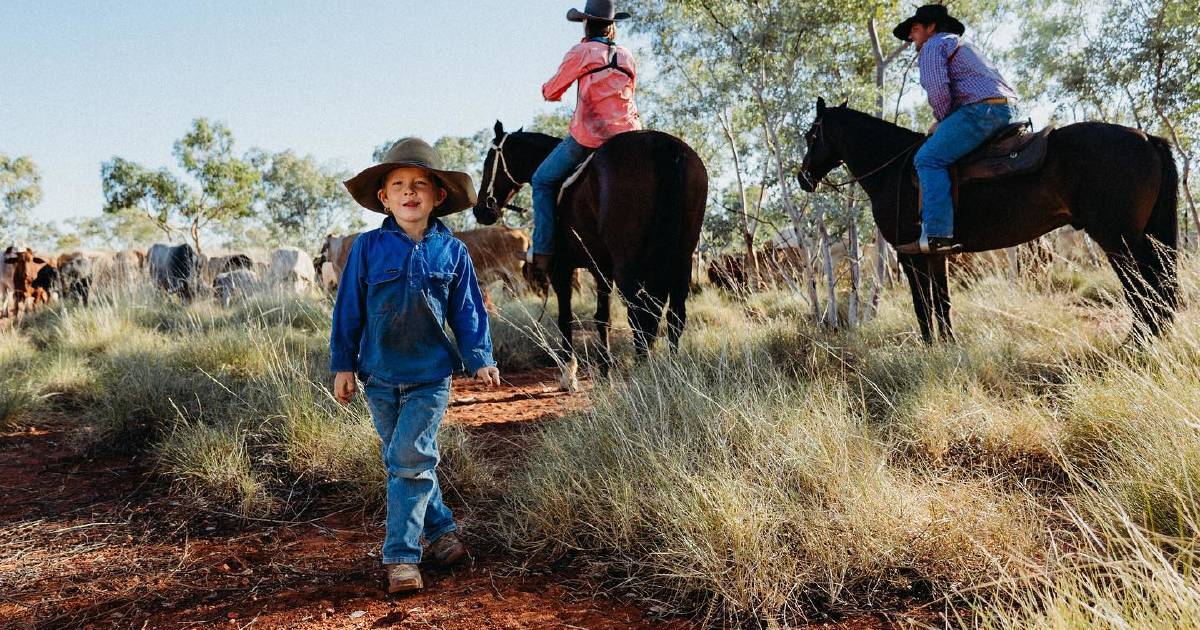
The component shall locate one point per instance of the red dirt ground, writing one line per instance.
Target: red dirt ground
(92, 542)
(99, 543)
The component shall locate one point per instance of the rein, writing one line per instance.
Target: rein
(876, 171)
(499, 163)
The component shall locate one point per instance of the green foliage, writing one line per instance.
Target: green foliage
(303, 200)
(224, 187)
(20, 191)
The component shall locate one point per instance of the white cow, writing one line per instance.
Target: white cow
(7, 289)
(335, 251)
(291, 270)
(329, 277)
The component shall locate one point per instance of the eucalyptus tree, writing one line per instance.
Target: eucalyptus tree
(302, 200)
(20, 192)
(1132, 62)
(222, 187)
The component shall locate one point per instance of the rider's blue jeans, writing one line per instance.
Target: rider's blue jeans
(547, 180)
(407, 419)
(959, 134)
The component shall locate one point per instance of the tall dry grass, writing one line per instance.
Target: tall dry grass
(1037, 473)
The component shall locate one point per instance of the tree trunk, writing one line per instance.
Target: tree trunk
(881, 246)
(753, 277)
(195, 233)
(788, 203)
(831, 312)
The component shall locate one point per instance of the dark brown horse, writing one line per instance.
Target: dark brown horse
(1117, 184)
(632, 219)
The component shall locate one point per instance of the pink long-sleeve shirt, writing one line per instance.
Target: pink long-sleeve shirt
(605, 106)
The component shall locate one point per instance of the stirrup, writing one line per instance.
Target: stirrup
(951, 246)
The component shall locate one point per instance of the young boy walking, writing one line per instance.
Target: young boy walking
(402, 284)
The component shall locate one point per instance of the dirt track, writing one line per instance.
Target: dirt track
(98, 542)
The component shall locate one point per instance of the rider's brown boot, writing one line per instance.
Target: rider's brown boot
(541, 264)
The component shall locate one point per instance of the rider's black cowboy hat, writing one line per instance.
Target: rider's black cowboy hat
(930, 14)
(364, 187)
(597, 10)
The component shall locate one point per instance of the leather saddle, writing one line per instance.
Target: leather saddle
(1014, 150)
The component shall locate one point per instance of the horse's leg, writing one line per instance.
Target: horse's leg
(916, 269)
(644, 314)
(569, 380)
(677, 312)
(603, 321)
(1137, 293)
(1156, 266)
(941, 296)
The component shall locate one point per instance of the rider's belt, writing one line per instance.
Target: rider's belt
(999, 100)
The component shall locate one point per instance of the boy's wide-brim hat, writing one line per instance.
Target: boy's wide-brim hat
(597, 10)
(460, 190)
(929, 14)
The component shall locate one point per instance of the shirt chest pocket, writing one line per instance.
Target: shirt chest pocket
(386, 290)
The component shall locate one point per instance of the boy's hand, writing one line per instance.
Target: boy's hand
(489, 375)
(344, 387)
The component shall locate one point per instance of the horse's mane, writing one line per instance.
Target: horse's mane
(889, 132)
(541, 140)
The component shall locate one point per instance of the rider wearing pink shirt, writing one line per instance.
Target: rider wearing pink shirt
(607, 77)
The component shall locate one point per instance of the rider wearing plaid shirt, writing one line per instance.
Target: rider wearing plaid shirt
(970, 101)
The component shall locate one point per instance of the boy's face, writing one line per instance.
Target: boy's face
(410, 194)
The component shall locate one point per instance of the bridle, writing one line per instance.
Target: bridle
(820, 128)
(500, 163)
(819, 125)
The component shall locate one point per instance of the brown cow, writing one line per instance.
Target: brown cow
(498, 253)
(25, 270)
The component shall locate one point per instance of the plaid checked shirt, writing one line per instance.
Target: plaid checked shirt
(967, 78)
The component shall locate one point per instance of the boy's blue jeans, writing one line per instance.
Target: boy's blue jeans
(407, 419)
(957, 135)
(547, 181)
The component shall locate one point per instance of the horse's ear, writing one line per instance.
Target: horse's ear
(520, 129)
(499, 129)
(844, 103)
(820, 105)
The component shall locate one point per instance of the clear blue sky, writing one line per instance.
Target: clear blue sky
(83, 80)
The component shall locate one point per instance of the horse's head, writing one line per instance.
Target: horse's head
(497, 187)
(819, 156)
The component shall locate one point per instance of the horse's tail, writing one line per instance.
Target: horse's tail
(1159, 253)
(663, 264)
(664, 245)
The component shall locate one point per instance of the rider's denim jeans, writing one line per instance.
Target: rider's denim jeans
(547, 180)
(959, 134)
(407, 419)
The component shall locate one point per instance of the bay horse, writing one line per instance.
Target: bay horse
(632, 219)
(1117, 184)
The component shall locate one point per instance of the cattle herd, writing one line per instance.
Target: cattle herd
(29, 279)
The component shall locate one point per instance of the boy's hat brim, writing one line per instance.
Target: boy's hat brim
(929, 14)
(460, 189)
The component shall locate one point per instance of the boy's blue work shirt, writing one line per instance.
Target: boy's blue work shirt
(394, 299)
